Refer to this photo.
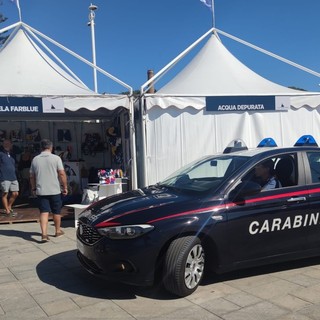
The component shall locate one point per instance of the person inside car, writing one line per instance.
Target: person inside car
(265, 175)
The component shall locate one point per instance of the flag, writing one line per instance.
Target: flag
(207, 3)
(18, 6)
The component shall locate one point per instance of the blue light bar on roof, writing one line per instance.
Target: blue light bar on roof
(267, 142)
(306, 140)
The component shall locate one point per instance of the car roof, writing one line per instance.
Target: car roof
(268, 146)
(270, 150)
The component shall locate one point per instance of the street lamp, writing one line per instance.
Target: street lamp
(92, 9)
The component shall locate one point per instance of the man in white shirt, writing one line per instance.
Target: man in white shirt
(48, 181)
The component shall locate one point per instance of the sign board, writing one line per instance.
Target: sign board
(31, 105)
(247, 103)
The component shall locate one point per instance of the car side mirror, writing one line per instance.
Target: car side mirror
(244, 189)
(183, 180)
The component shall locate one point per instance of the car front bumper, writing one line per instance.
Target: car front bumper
(128, 261)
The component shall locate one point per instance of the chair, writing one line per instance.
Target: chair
(315, 168)
(284, 170)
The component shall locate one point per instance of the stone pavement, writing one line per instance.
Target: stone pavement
(45, 281)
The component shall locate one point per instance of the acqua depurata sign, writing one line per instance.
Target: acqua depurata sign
(31, 105)
(247, 103)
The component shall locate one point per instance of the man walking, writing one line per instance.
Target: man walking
(48, 180)
(8, 178)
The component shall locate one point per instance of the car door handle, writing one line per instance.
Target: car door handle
(297, 199)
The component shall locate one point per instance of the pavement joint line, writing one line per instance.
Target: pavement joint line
(127, 312)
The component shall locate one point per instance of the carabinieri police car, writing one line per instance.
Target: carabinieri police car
(211, 216)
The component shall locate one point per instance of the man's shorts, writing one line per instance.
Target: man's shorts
(7, 186)
(52, 203)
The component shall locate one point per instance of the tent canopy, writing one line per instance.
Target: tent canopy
(29, 69)
(214, 71)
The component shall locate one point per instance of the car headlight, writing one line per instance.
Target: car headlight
(125, 232)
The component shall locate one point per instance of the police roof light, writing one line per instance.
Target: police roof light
(235, 145)
(306, 140)
(267, 142)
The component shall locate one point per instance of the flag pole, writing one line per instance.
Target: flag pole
(213, 15)
(92, 8)
(18, 7)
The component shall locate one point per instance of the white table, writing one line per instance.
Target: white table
(78, 208)
(106, 190)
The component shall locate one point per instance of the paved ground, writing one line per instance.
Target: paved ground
(45, 281)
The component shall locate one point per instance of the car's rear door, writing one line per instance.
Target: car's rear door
(270, 223)
(312, 164)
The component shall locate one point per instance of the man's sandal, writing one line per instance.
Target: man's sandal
(59, 234)
(45, 238)
(12, 213)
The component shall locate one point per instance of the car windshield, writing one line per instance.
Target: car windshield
(205, 174)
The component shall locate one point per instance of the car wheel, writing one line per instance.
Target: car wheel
(183, 265)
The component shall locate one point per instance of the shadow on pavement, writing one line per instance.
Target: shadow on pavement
(27, 235)
(63, 271)
(22, 234)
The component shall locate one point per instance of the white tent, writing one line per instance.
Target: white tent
(178, 126)
(27, 68)
(21, 57)
(35, 84)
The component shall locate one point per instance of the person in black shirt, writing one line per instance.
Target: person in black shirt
(24, 168)
(8, 179)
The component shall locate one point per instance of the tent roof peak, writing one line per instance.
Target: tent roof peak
(38, 51)
(215, 71)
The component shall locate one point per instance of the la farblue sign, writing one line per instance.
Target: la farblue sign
(247, 103)
(20, 105)
(31, 105)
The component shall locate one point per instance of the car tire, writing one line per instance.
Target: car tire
(183, 266)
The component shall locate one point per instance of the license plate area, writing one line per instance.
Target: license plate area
(80, 247)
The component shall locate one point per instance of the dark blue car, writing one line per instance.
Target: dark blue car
(211, 216)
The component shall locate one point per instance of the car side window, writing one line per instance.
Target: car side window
(314, 163)
(282, 168)
(285, 170)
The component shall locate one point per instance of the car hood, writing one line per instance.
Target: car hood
(140, 206)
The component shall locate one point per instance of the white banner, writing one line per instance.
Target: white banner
(50, 105)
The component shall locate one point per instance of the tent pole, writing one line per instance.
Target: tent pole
(134, 183)
(80, 58)
(10, 27)
(172, 63)
(141, 146)
(53, 55)
(296, 65)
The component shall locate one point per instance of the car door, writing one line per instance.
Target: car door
(312, 161)
(270, 223)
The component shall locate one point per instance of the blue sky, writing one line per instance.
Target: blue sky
(133, 36)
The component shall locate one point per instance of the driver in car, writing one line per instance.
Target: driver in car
(265, 175)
